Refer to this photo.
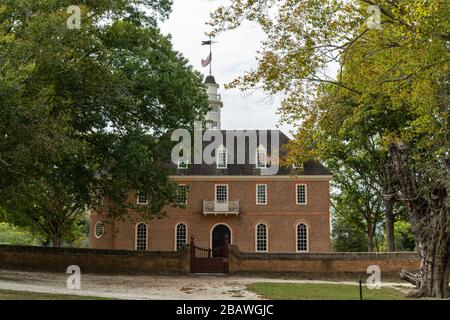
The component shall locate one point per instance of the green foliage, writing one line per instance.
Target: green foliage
(386, 113)
(356, 208)
(347, 238)
(404, 238)
(17, 236)
(90, 109)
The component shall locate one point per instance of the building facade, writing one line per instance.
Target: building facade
(285, 212)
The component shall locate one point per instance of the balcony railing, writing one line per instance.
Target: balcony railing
(226, 208)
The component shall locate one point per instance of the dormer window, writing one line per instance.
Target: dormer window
(297, 165)
(183, 164)
(261, 157)
(221, 157)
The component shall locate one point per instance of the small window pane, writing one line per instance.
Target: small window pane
(142, 198)
(181, 236)
(222, 158)
(261, 237)
(261, 196)
(221, 194)
(301, 194)
(302, 237)
(141, 237)
(182, 194)
(182, 164)
(99, 229)
(261, 158)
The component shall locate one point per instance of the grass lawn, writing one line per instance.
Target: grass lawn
(312, 291)
(24, 295)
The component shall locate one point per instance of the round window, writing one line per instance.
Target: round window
(99, 229)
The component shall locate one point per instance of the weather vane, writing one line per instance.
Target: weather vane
(208, 60)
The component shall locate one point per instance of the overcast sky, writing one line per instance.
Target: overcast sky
(233, 54)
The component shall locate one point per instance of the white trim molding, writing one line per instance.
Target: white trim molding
(261, 150)
(185, 193)
(95, 229)
(255, 177)
(176, 233)
(296, 194)
(141, 203)
(266, 194)
(211, 233)
(296, 237)
(222, 149)
(136, 233)
(215, 191)
(256, 237)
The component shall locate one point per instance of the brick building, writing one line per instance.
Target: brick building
(285, 212)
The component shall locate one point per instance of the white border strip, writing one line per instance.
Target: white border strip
(266, 178)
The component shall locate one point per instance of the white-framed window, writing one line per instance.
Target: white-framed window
(180, 236)
(261, 157)
(182, 194)
(99, 229)
(297, 165)
(221, 193)
(183, 164)
(141, 237)
(302, 237)
(221, 156)
(142, 198)
(261, 194)
(261, 238)
(301, 196)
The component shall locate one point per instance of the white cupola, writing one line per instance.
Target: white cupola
(215, 104)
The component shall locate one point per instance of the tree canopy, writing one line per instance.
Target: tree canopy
(386, 110)
(89, 110)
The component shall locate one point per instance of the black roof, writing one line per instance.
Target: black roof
(210, 79)
(249, 169)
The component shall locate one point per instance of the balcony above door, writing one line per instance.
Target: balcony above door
(223, 208)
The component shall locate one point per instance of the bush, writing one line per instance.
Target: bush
(12, 235)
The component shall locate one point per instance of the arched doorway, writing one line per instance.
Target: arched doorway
(219, 232)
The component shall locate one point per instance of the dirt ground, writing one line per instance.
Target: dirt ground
(143, 287)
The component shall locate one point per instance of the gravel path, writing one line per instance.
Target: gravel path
(202, 287)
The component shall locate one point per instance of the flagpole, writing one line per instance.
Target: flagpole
(210, 52)
(209, 59)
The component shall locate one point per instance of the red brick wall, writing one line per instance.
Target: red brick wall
(93, 260)
(281, 215)
(281, 195)
(324, 265)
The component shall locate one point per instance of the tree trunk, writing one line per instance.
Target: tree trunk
(433, 273)
(388, 200)
(369, 236)
(433, 246)
(429, 217)
(56, 241)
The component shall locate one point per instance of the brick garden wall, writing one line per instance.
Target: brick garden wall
(326, 265)
(93, 260)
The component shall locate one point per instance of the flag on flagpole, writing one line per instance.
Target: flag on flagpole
(207, 61)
